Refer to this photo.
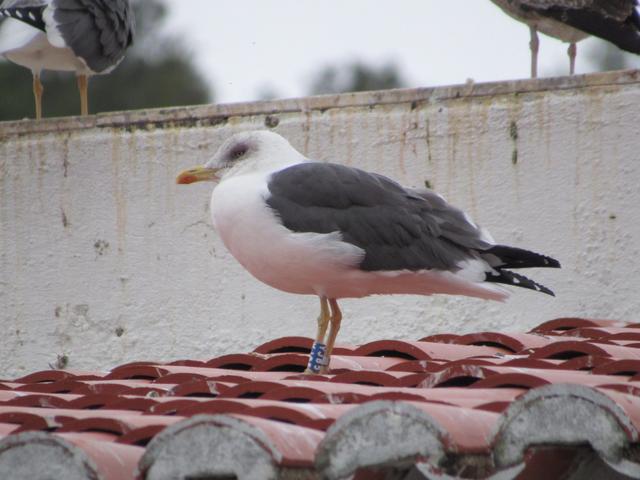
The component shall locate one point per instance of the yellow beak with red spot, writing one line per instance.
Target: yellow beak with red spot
(200, 173)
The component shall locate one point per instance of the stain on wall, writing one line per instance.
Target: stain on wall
(103, 259)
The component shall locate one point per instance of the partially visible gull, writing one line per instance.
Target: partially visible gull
(334, 231)
(616, 21)
(88, 37)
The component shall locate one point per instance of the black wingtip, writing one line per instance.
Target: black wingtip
(543, 289)
(513, 257)
(553, 263)
(546, 262)
(515, 279)
(540, 288)
(29, 15)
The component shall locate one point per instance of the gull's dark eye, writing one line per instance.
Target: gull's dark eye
(238, 151)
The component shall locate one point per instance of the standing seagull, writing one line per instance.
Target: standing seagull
(336, 232)
(88, 37)
(616, 21)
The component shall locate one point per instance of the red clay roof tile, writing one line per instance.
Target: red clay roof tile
(567, 414)
(532, 377)
(440, 338)
(57, 375)
(619, 333)
(8, 428)
(563, 324)
(513, 342)
(45, 400)
(446, 405)
(379, 378)
(235, 361)
(618, 367)
(571, 348)
(233, 445)
(200, 388)
(297, 345)
(76, 454)
(425, 350)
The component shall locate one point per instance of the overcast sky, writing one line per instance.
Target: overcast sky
(247, 46)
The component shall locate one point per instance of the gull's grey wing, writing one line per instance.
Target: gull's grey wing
(459, 228)
(397, 228)
(623, 34)
(616, 21)
(98, 31)
(454, 223)
(618, 10)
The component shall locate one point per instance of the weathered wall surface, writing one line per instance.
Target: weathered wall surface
(103, 259)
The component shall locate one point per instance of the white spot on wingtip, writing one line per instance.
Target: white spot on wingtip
(472, 269)
(18, 14)
(32, 16)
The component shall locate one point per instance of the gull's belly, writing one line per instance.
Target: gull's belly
(548, 26)
(38, 54)
(304, 263)
(559, 30)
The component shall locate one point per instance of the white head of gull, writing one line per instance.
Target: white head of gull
(337, 232)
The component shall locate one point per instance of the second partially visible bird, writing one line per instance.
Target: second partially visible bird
(88, 37)
(616, 21)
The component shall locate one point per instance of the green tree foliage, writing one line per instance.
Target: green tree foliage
(356, 76)
(157, 71)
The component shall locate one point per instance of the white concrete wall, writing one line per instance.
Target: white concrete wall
(103, 259)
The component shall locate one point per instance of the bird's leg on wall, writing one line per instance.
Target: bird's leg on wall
(319, 350)
(83, 84)
(572, 51)
(37, 94)
(534, 45)
(336, 319)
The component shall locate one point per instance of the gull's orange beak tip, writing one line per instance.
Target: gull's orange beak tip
(186, 178)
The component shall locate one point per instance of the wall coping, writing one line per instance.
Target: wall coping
(216, 114)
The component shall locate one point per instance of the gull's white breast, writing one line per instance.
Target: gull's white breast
(304, 263)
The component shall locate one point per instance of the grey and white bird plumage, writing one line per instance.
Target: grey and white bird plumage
(616, 21)
(88, 37)
(334, 231)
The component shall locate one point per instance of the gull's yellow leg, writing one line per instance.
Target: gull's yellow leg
(37, 94)
(534, 45)
(316, 358)
(83, 85)
(336, 320)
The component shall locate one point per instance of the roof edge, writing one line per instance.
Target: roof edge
(216, 114)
